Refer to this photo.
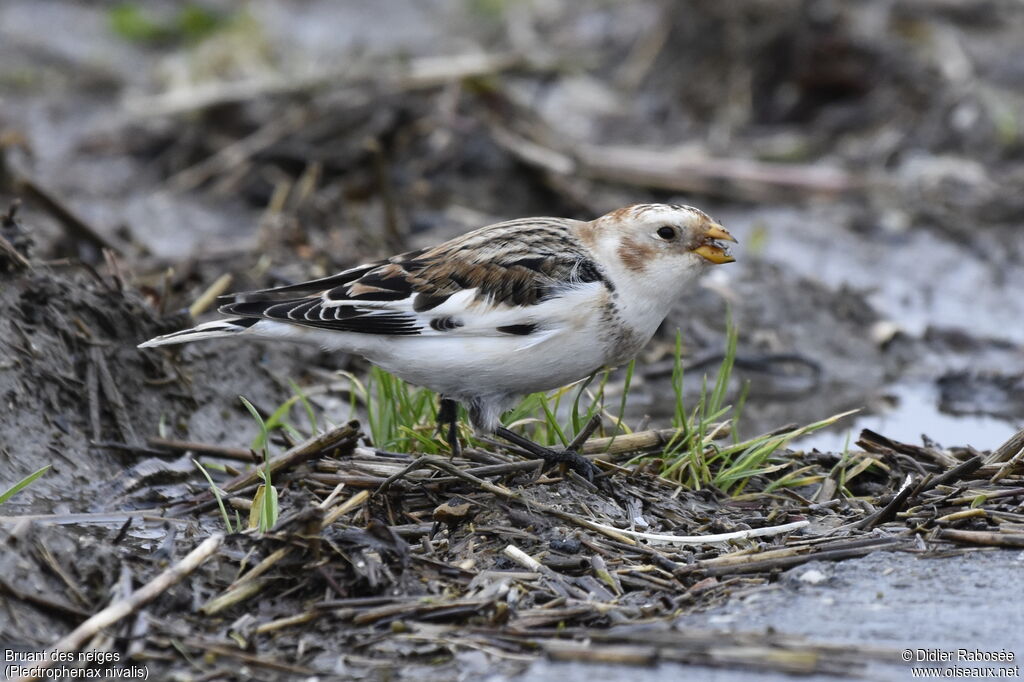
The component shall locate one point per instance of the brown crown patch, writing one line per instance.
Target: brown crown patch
(624, 213)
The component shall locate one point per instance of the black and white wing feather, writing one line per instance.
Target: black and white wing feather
(487, 282)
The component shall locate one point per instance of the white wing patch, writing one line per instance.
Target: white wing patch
(465, 314)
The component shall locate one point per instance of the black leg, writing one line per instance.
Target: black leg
(447, 422)
(577, 462)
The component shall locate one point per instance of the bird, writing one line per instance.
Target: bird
(509, 309)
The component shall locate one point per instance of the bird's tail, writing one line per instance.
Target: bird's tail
(208, 330)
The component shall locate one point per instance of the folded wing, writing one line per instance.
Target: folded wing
(490, 282)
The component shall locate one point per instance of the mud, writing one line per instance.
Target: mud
(72, 380)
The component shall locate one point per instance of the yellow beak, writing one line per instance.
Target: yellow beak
(713, 252)
(716, 231)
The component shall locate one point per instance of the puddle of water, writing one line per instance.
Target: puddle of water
(914, 412)
(916, 279)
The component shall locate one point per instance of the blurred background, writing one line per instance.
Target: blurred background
(867, 155)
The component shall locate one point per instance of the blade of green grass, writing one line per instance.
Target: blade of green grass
(313, 428)
(577, 423)
(217, 495)
(265, 501)
(23, 483)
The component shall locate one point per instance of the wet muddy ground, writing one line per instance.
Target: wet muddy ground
(880, 274)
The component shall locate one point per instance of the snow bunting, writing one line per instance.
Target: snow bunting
(509, 309)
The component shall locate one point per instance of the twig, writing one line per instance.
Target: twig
(756, 564)
(234, 595)
(137, 599)
(114, 267)
(209, 647)
(711, 539)
(239, 454)
(507, 494)
(600, 569)
(643, 440)
(557, 582)
(963, 514)
(585, 433)
(423, 72)
(888, 513)
(207, 298)
(12, 253)
(967, 499)
(62, 609)
(345, 507)
(1009, 450)
(240, 151)
(981, 537)
(113, 395)
(957, 473)
(51, 562)
(286, 622)
(344, 435)
(92, 392)
(679, 171)
(621, 654)
(489, 470)
(75, 226)
(673, 170)
(248, 586)
(877, 443)
(533, 153)
(420, 608)
(1010, 453)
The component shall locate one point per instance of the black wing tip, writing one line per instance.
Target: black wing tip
(319, 284)
(518, 329)
(424, 302)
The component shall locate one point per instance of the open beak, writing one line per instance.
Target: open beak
(712, 251)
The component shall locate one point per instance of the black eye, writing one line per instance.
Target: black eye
(667, 233)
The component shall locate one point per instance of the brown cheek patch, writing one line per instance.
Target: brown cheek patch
(635, 255)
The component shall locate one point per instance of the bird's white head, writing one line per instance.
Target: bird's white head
(662, 241)
(650, 252)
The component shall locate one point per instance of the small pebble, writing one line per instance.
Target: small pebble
(813, 577)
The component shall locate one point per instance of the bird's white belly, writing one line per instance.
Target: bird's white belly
(460, 366)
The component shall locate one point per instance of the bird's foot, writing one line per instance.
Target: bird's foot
(574, 460)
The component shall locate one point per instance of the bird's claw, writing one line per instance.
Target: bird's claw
(575, 461)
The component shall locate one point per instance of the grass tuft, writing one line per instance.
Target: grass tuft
(694, 458)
